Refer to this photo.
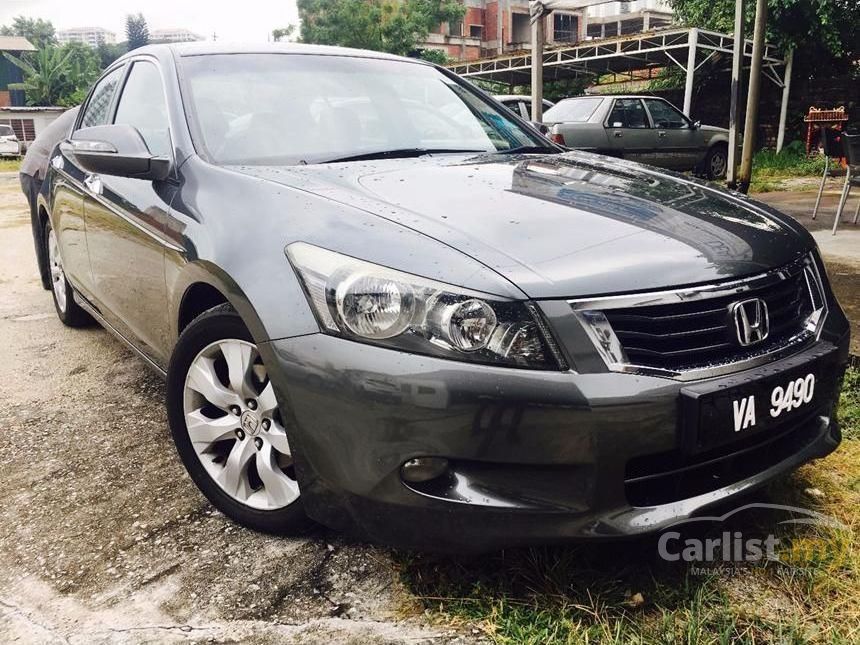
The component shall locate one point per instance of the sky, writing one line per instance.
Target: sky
(242, 21)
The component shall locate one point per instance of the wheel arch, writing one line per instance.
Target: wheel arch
(202, 286)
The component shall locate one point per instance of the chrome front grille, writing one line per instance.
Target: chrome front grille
(693, 332)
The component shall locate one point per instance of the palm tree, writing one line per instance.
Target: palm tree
(45, 75)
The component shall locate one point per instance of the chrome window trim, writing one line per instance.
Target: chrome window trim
(589, 313)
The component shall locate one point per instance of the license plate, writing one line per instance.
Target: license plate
(736, 408)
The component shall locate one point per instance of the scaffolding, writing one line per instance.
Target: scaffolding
(630, 56)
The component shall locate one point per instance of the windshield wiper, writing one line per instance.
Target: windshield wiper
(528, 150)
(400, 153)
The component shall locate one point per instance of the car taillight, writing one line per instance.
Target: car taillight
(557, 138)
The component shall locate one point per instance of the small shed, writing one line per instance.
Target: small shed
(10, 73)
(28, 122)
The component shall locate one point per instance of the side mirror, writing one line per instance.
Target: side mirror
(116, 150)
(617, 124)
(697, 125)
(540, 127)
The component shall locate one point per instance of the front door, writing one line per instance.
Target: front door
(629, 132)
(70, 181)
(126, 220)
(678, 142)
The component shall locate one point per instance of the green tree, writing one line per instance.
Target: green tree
(136, 31)
(434, 56)
(57, 75)
(108, 53)
(40, 33)
(83, 68)
(45, 75)
(283, 33)
(827, 32)
(395, 26)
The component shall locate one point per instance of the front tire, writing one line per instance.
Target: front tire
(227, 426)
(716, 162)
(68, 311)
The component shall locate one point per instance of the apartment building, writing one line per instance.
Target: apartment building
(92, 36)
(173, 35)
(493, 27)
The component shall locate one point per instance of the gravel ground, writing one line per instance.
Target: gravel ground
(103, 537)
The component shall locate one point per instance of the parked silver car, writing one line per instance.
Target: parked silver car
(640, 128)
(9, 144)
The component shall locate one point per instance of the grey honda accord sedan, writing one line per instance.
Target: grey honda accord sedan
(385, 303)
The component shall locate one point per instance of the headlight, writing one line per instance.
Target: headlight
(375, 304)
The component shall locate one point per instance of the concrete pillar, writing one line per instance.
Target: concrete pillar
(538, 36)
(737, 70)
(783, 110)
(500, 21)
(691, 69)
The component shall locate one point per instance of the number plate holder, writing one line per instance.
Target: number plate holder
(707, 410)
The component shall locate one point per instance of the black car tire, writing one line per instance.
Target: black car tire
(718, 156)
(217, 324)
(69, 312)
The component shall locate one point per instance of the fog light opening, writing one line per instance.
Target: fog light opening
(423, 469)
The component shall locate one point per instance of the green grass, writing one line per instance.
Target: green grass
(624, 593)
(771, 169)
(10, 165)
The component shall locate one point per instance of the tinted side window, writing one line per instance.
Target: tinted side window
(628, 113)
(98, 109)
(143, 106)
(665, 116)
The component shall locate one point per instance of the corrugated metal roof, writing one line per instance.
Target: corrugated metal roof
(29, 109)
(15, 44)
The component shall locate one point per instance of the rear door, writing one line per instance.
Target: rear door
(679, 144)
(629, 131)
(126, 219)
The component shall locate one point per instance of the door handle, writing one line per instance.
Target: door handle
(661, 133)
(618, 134)
(94, 183)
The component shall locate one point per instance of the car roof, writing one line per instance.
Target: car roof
(614, 96)
(211, 48)
(515, 97)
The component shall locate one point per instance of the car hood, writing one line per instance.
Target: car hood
(564, 225)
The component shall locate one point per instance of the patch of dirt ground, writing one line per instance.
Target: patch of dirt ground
(103, 537)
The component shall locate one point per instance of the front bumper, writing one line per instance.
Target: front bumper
(535, 456)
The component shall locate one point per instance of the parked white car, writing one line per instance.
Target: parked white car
(9, 144)
(521, 104)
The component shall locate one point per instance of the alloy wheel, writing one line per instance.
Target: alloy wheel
(58, 276)
(235, 427)
(718, 164)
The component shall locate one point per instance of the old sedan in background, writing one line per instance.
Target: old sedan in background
(383, 302)
(640, 128)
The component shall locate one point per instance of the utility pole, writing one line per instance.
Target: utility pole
(753, 96)
(538, 36)
(737, 71)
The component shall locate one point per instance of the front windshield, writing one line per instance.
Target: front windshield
(286, 109)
